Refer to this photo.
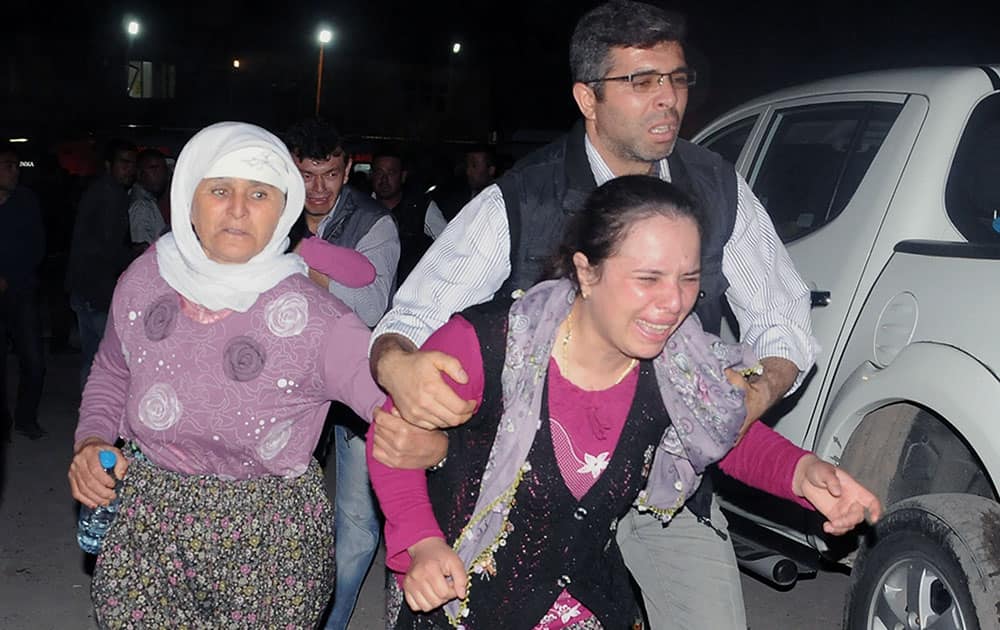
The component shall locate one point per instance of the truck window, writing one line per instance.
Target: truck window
(728, 141)
(813, 159)
(972, 196)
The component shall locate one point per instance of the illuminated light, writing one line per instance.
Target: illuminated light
(18, 140)
(236, 63)
(456, 48)
(325, 36)
(26, 164)
(133, 28)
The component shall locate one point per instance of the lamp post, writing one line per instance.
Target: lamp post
(325, 36)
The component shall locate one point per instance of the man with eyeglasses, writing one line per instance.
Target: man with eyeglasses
(631, 84)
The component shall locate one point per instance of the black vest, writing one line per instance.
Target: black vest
(413, 242)
(544, 189)
(531, 571)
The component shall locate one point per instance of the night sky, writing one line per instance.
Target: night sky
(741, 50)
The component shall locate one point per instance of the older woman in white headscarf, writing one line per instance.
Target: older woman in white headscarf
(216, 370)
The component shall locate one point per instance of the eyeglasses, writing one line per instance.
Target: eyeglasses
(647, 81)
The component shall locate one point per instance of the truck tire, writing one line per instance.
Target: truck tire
(932, 562)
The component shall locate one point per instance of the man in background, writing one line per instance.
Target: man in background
(101, 248)
(22, 248)
(339, 214)
(407, 208)
(480, 171)
(146, 222)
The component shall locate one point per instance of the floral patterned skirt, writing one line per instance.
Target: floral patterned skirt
(201, 552)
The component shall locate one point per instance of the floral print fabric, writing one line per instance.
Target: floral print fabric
(198, 552)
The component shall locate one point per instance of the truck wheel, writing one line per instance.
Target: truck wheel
(932, 562)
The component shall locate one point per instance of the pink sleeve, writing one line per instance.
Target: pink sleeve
(342, 264)
(409, 517)
(103, 403)
(765, 459)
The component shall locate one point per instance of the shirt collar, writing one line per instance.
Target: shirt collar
(602, 172)
(139, 191)
(329, 215)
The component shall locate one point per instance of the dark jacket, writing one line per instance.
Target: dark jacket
(22, 240)
(413, 242)
(102, 247)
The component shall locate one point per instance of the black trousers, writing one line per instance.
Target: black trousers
(20, 322)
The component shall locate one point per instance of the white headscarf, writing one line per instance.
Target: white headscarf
(229, 149)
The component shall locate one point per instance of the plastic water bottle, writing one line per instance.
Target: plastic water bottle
(94, 523)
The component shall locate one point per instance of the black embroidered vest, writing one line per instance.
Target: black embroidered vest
(556, 542)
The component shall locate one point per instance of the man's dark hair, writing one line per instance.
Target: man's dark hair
(390, 151)
(618, 24)
(9, 148)
(116, 146)
(610, 211)
(148, 155)
(315, 139)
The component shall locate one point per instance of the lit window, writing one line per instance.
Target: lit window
(147, 79)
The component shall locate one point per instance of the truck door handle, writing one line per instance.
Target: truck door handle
(819, 298)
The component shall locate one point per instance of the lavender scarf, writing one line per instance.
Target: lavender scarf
(706, 413)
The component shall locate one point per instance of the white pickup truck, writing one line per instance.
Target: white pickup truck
(885, 188)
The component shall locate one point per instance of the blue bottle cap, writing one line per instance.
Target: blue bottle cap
(108, 459)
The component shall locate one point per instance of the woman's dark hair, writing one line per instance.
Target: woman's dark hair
(598, 229)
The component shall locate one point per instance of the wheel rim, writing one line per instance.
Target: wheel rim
(913, 594)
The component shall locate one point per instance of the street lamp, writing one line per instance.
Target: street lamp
(132, 28)
(325, 36)
(236, 64)
(456, 48)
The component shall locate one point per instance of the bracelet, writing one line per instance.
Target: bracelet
(753, 370)
(438, 466)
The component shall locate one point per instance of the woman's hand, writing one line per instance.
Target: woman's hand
(436, 575)
(90, 484)
(834, 494)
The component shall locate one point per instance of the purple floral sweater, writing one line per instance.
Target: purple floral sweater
(235, 395)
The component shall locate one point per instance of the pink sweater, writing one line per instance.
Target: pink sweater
(235, 395)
